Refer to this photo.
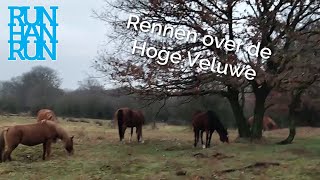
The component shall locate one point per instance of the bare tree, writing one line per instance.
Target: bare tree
(32, 90)
(276, 24)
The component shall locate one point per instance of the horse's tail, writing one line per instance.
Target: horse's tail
(119, 117)
(3, 143)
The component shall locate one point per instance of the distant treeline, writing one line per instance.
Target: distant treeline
(40, 88)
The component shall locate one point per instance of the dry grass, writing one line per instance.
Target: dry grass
(166, 153)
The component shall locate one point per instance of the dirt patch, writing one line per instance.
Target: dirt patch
(5, 172)
(198, 178)
(172, 148)
(72, 120)
(178, 147)
(256, 165)
(200, 155)
(99, 123)
(302, 132)
(181, 173)
(298, 151)
(217, 156)
(105, 167)
(84, 121)
(221, 156)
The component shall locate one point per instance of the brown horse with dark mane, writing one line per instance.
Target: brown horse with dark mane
(46, 114)
(31, 135)
(268, 123)
(209, 122)
(129, 118)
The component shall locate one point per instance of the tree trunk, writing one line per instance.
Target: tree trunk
(295, 103)
(243, 127)
(256, 129)
(261, 93)
(292, 131)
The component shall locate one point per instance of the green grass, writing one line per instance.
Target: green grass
(99, 155)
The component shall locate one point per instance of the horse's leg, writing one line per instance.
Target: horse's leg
(196, 132)
(210, 136)
(4, 155)
(44, 150)
(48, 149)
(139, 134)
(122, 135)
(7, 154)
(197, 136)
(201, 134)
(207, 138)
(8, 151)
(131, 134)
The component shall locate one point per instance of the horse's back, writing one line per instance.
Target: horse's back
(199, 120)
(132, 118)
(30, 134)
(139, 117)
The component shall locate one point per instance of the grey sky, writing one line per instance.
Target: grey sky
(80, 37)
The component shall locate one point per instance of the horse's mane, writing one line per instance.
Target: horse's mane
(215, 122)
(63, 135)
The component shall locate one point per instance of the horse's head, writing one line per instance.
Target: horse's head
(69, 145)
(224, 136)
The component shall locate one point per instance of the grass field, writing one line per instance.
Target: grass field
(166, 154)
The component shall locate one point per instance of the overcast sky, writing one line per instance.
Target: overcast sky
(80, 36)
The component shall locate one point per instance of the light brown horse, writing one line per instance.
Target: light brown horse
(46, 114)
(31, 135)
(129, 118)
(268, 123)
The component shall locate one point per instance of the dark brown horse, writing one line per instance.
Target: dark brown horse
(31, 135)
(46, 114)
(209, 122)
(129, 118)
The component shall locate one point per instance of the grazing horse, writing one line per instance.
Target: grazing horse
(268, 123)
(129, 118)
(208, 122)
(46, 114)
(31, 135)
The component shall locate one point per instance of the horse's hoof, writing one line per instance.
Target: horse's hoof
(203, 146)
